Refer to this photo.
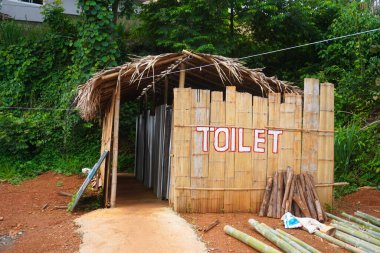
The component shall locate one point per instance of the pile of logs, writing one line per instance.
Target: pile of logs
(294, 193)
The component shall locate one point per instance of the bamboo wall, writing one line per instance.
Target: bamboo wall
(234, 181)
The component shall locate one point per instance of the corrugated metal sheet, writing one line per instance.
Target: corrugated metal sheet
(153, 148)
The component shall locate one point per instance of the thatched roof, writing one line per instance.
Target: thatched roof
(148, 74)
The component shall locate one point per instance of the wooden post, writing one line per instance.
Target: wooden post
(182, 76)
(115, 145)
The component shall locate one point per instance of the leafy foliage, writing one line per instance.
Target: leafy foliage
(41, 66)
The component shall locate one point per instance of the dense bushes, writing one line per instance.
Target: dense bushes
(39, 130)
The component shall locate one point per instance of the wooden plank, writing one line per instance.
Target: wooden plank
(325, 172)
(216, 159)
(181, 148)
(310, 121)
(243, 158)
(229, 172)
(259, 158)
(90, 175)
(274, 100)
(200, 116)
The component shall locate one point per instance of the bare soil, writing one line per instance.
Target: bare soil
(366, 200)
(26, 226)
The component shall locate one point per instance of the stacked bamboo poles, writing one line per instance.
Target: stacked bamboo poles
(281, 239)
(355, 234)
(249, 240)
(287, 192)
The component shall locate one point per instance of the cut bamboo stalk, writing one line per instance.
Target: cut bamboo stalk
(309, 181)
(182, 75)
(356, 226)
(272, 202)
(249, 240)
(338, 242)
(272, 237)
(310, 201)
(300, 242)
(362, 222)
(279, 194)
(356, 242)
(284, 238)
(301, 194)
(372, 219)
(301, 205)
(289, 177)
(319, 211)
(291, 192)
(264, 204)
(365, 230)
(357, 233)
(115, 145)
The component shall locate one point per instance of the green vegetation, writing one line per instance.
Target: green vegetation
(42, 65)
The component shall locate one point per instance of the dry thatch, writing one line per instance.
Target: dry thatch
(148, 75)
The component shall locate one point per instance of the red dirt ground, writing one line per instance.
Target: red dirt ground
(366, 200)
(53, 230)
(29, 227)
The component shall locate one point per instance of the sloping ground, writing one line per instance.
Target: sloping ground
(366, 200)
(140, 223)
(25, 226)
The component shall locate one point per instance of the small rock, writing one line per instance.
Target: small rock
(1, 218)
(19, 233)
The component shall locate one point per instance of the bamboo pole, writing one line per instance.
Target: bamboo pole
(264, 204)
(351, 225)
(288, 207)
(249, 240)
(362, 222)
(300, 242)
(182, 75)
(372, 219)
(115, 146)
(338, 242)
(279, 194)
(272, 237)
(289, 178)
(357, 233)
(356, 242)
(284, 238)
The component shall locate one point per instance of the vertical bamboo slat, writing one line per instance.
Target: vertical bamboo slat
(310, 121)
(216, 159)
(181, 147)
(274, 100)
(229, 172)
(325, 172)
(306, 144)
(259, 160)
(200, 116)
(243, 159)
(287, 120)
(297, 151)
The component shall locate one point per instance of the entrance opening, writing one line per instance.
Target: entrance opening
(144, 148)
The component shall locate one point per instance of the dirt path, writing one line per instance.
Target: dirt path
(141, 224)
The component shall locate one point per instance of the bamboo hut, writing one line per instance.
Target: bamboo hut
(214, 130)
